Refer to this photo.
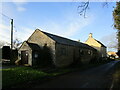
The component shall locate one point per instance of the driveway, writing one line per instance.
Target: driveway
(99, 77)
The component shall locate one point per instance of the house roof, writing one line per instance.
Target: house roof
(66, 41)
(91, 36)
(112, 53)
(33, 46)
(100, 43)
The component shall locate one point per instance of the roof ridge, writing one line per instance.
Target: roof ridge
(100, 43)
(60, 36)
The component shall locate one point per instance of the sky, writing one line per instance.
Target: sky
(59, 18)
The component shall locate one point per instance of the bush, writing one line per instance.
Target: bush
(45, 57)
(116, 76)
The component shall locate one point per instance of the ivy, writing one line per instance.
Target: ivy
(116, 16)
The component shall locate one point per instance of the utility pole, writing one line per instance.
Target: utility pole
(11, 57)
(11, 34)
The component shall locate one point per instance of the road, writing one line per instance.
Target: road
(98, 77)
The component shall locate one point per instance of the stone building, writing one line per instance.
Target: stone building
(112, 54)
(63, 51)
(97, 45)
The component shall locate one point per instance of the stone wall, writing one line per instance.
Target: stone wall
(93, 43)
(66, 55)
(103, 51)
(25, 47)
(62, 55)
(43, 40)
(40, 39)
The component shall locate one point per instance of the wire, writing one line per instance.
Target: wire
(15, 28)
(5, 16)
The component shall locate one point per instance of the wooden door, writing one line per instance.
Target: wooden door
(24, 57)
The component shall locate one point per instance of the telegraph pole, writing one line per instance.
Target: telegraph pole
(11, 57)
(11, 34)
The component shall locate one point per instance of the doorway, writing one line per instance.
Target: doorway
(24, 57)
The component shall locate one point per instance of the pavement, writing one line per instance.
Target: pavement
(98, 77)
(7, 66)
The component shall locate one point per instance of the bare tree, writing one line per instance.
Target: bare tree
(3, 43)
(17, 43)
(84, 6)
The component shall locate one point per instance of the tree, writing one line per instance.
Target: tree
(3, 43)
(116, 16)
(84, 6)
(16, 43)
(118, 53)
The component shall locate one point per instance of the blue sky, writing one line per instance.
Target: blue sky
(60, 18)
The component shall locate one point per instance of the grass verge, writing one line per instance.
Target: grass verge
(12, 76)
(20, 76)
(27, 77)
(116, 76)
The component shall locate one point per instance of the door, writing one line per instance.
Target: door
(24, 57)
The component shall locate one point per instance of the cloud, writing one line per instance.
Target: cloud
(23, 1)
(24, 33)
(4, 33)
(21, 9)
(76, 25)
(20, 5)
(110, 41)
(67, 28)
(4, 27)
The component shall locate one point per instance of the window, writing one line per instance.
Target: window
(36, 55)
(102, 55)
(63, 51)
(89, 52)
(81, 52)
(19, 54)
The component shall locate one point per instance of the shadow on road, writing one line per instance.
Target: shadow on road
(99, 77)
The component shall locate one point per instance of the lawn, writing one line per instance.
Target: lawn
(18, 76)
(12, 76)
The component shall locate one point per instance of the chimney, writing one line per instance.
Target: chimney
(90, 35)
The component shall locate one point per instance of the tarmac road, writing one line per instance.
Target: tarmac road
(99, 77)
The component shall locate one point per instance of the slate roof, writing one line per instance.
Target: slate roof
(33, 46)
(100, 43)
(66, 41)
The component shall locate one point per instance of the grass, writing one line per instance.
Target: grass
(12, 76)
(116, 76)
(25, 76)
